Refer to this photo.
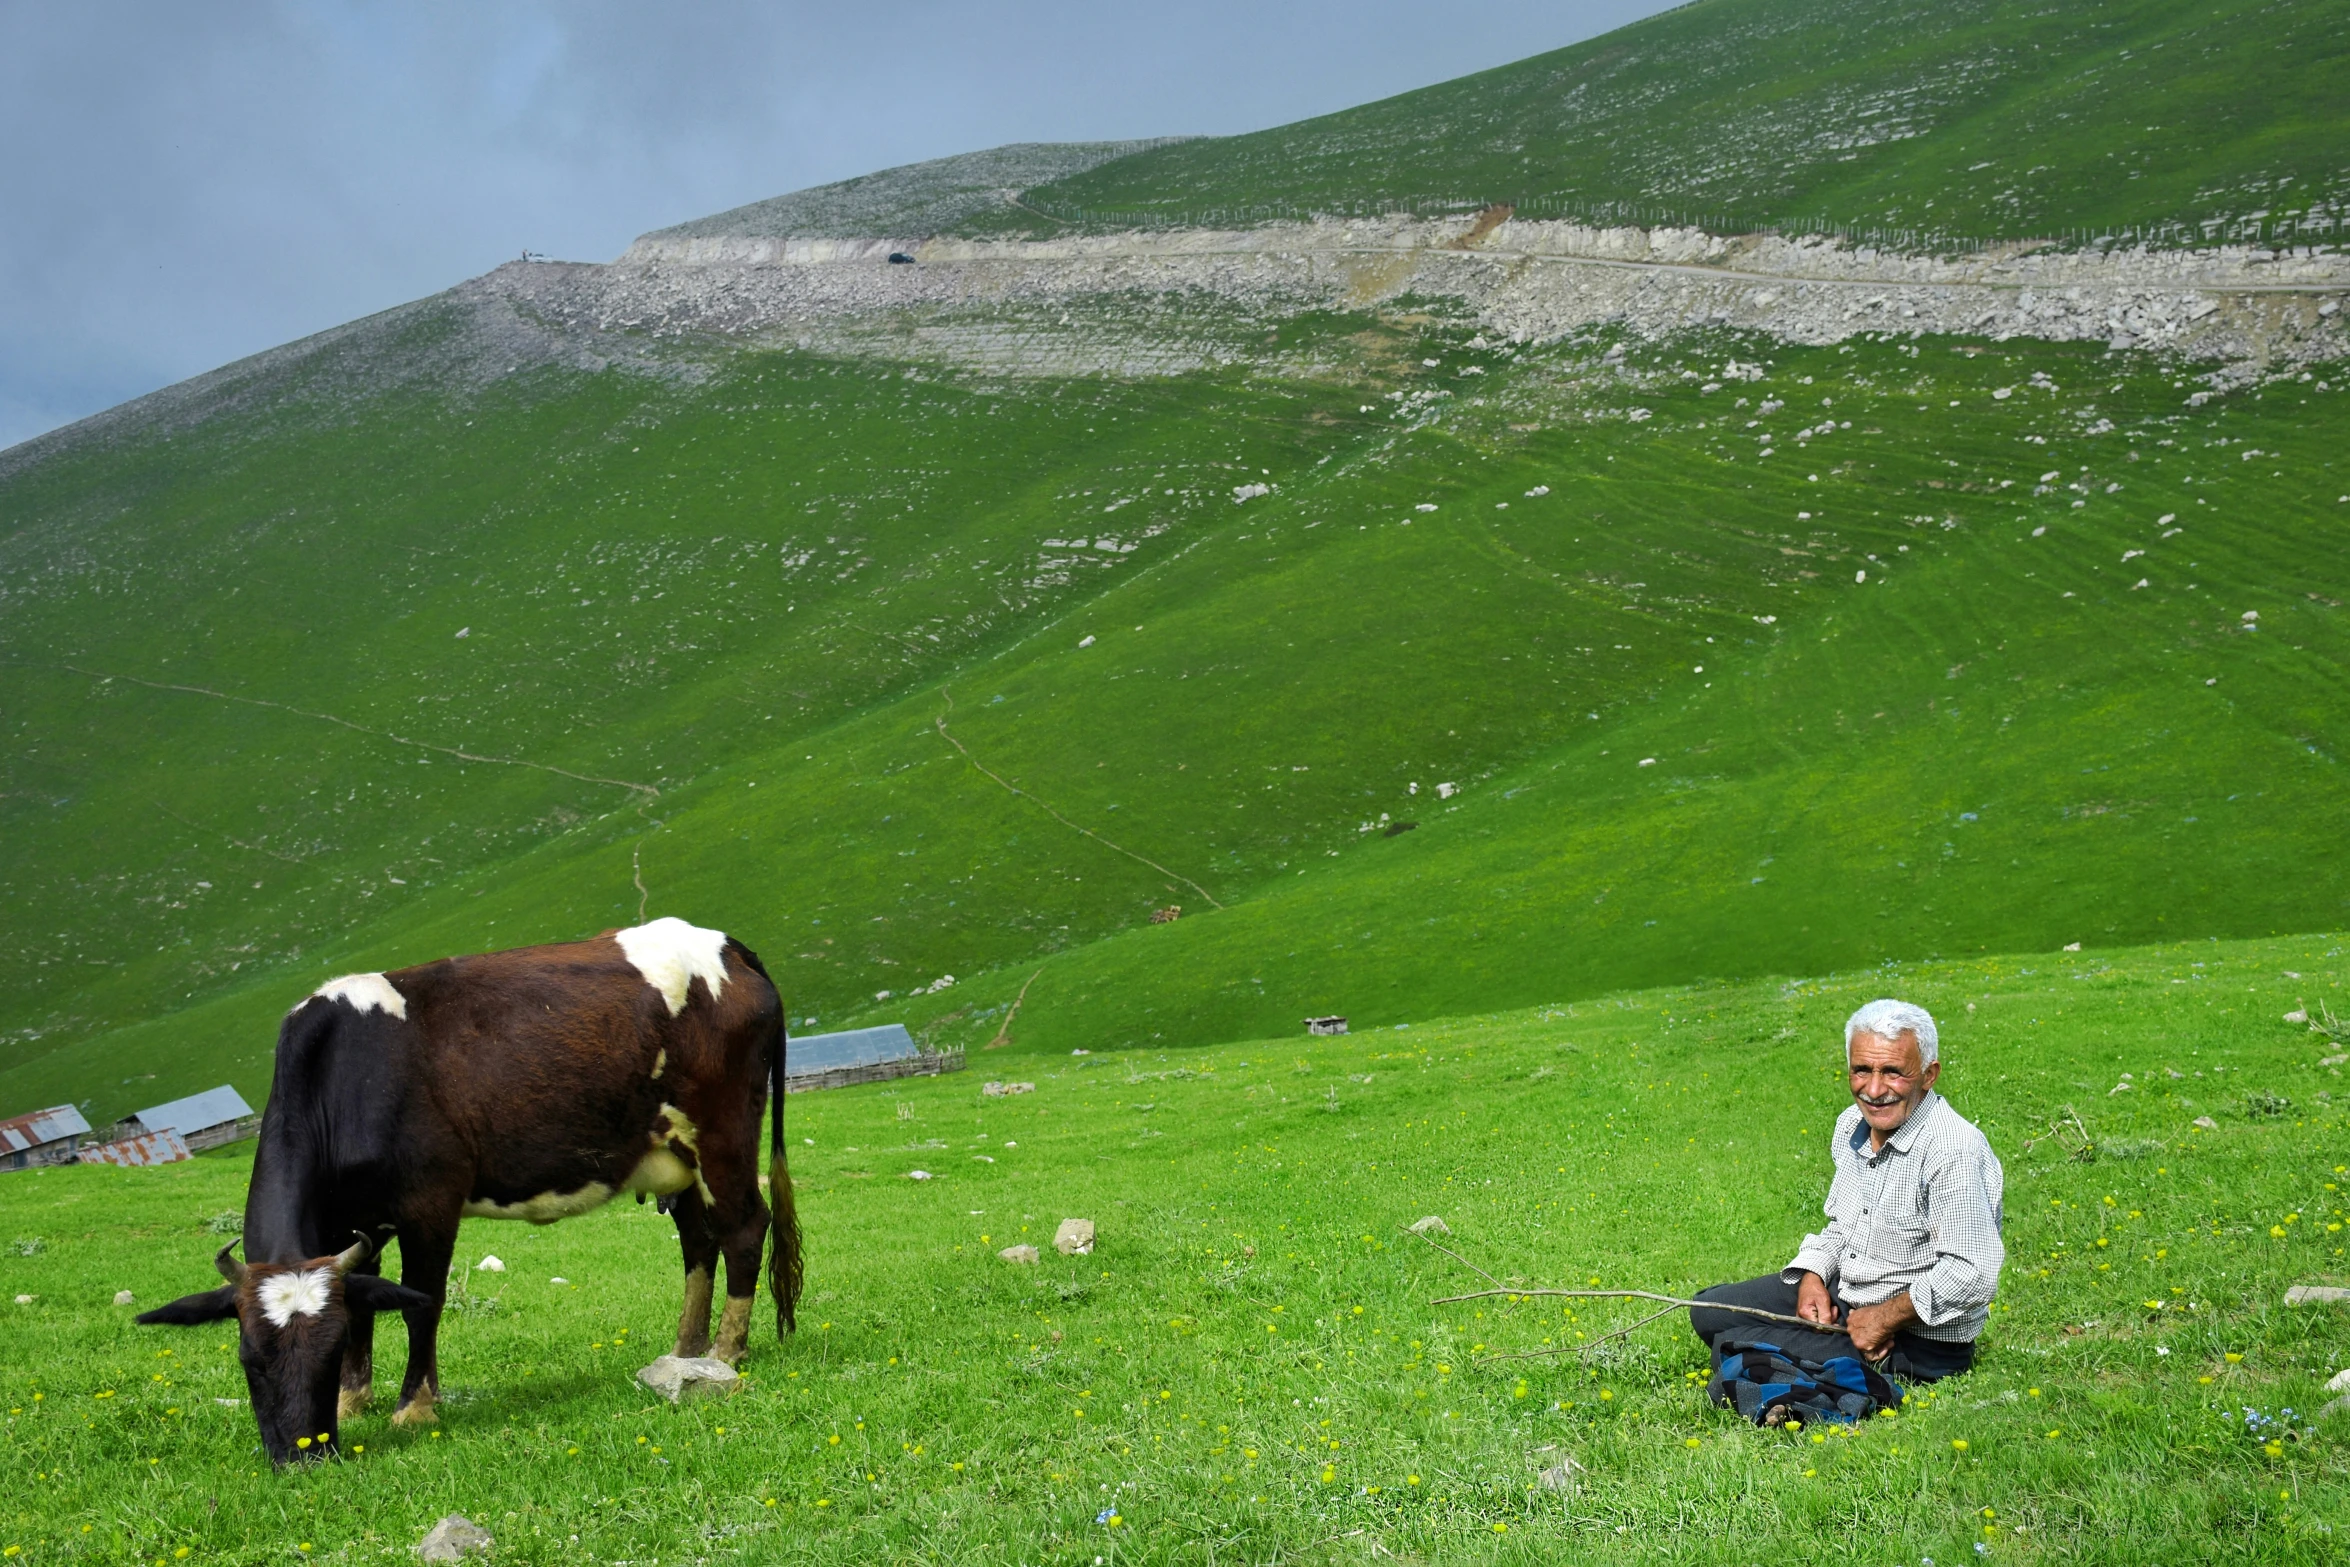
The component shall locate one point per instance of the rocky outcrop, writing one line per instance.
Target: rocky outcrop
(1527, 281)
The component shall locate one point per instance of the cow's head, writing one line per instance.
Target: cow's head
(293, 1320)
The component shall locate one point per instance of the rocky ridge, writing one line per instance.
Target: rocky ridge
(1527, 281)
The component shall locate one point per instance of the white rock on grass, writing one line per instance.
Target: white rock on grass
(2207, 1123)
(122, 1297)
(1431, 1225)
(2316, 1294)
(453, 1539)
(1019, 1254)
(1561, 1475)
(682, 1378)
(1074, 1238)
(489, 1265)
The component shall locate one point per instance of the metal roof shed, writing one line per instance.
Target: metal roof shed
(813, 1053)
(197, 1112)
(861, 1055)
(41, 1137)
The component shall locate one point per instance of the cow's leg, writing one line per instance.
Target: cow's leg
(359, 1353)
(424, 1267)
(700, 1245)
(739, 1221)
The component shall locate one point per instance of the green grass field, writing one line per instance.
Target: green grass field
(1250, 1368)
(2165, 122)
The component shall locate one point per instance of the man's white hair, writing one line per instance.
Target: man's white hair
(1889, 1019)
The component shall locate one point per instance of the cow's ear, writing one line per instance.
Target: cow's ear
(370, 1292)
(189, 1310)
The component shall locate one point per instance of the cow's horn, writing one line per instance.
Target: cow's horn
(351, 1256)
(232, 1268)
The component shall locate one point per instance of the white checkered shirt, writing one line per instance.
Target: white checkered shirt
(1920, 1214)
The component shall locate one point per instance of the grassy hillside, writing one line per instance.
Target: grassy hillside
(711, 631)
(2164, 119)
(1250, 1367)
(914, 199)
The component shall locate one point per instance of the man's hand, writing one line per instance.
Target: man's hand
(1811, 1300)
(1872, 1327)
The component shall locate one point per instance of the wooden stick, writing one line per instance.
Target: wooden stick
(1579, 1349)
(1454, 1255)
(1670, 1302)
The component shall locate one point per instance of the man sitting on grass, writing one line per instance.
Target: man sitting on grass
(1904, 1273)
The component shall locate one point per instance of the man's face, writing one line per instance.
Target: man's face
(1889, 1079)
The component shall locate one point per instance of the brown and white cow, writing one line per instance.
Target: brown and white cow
(533, 1084)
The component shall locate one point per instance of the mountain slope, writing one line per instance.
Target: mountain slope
(1980, 119)
(1323, 615)
(728, 594)
(913, 199)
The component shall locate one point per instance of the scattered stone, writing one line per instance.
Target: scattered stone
(122, 1297)
(2207, 1123)
(2297, 1015)
(2314, 1294)
(919, 1175)
(1006, 1090)
(558, 1279)
(24, 1300)
(1074, 1238)
(2334, 1060)
(2072, 946)
(489, 1265)
(1431, 1225)
(1019, 1254)
(2341, 1382)
(680, 1378)
(2339, 1406)
(453, 1539)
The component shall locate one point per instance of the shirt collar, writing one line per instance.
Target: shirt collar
(1903, 1135)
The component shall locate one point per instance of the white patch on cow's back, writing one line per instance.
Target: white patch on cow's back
(672, 954)
(285, 1296)
(545, 1208)
(366, 993)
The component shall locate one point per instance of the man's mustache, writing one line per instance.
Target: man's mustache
(1885, 1103)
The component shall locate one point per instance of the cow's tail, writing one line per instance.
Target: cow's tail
(784, 1268)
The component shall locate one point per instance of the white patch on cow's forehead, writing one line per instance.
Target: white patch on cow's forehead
(285, 1296)
(672, 954)
(366, 993)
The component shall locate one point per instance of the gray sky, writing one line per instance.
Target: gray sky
(187, 184)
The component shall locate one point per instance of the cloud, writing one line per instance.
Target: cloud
(190, 184)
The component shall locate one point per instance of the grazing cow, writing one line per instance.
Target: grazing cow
(533, 1084)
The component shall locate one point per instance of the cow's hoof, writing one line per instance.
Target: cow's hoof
(352, 1401)
(417, 1412)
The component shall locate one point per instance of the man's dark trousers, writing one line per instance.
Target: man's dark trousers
(1915, 1358)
